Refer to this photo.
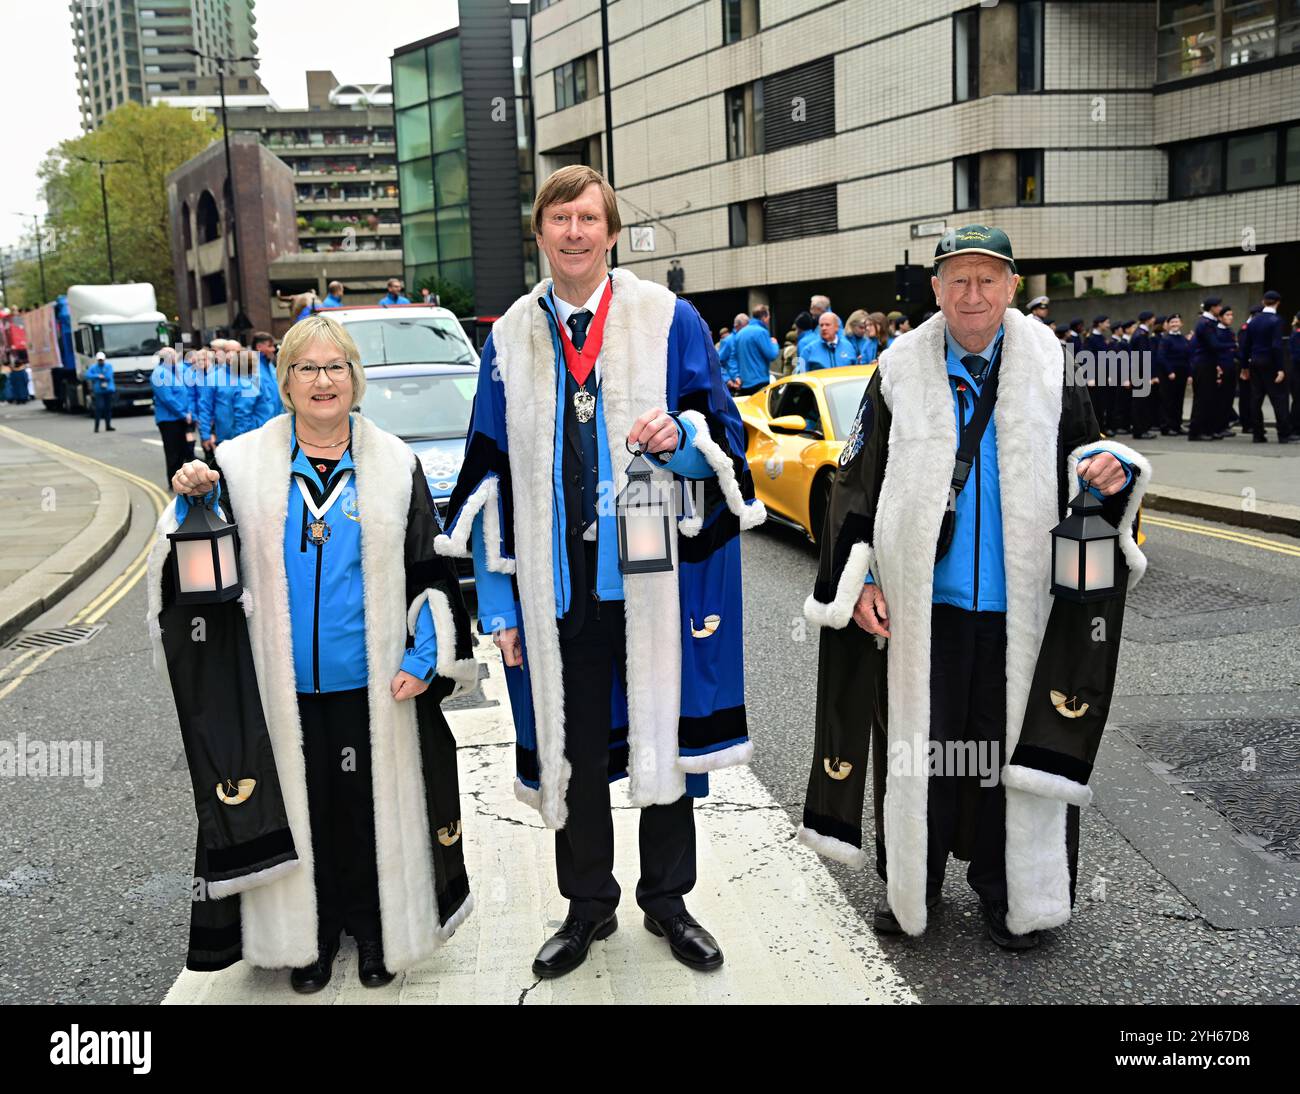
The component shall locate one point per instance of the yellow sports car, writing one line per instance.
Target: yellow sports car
(794, 433)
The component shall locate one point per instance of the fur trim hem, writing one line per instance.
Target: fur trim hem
(458, 543)
(462, 671)
(1137, 561)
(750, 514)
(1038, 874)
(1045, 784)
(528, 795)
(167, 522)
(839, 611)
(733, 756)
(833, 848)
(458, 917)
(219, 889)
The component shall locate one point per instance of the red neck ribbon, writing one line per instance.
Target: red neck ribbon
(581, 362)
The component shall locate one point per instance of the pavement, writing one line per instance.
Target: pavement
(788, 932)
(61, 515)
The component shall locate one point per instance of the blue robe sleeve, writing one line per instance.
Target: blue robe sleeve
(422, 659)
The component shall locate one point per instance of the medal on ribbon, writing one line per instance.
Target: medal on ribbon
(584, 405)
(318, 532)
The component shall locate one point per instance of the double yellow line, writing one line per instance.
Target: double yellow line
(116, 590)
(1244, 538)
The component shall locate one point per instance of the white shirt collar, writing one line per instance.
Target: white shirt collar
(563, 309)
(1271, 309)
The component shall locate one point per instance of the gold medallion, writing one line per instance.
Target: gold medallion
(318, 532)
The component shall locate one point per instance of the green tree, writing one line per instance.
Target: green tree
(1162, 275)
(151, 141)
(454, 297)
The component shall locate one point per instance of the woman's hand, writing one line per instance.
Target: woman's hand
(507, 641)
(405, 686)
(195, 477)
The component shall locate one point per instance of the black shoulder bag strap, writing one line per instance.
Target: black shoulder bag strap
(969, 445)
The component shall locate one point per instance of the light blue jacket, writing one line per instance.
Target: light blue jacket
(754, 352)
(100, 377)
(172, 397)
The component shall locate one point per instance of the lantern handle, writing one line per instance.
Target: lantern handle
(639, 450)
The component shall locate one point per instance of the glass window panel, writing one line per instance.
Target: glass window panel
(410, 84)
(453, 233)
(1197, 169)
(560, 99)
(420, 238)
(458, 273)
(444, 67)
(415, 180)
(1029, 53)
(1293, 156)
(1175, 11)
(580, 80)
(413, 133)
(451, 179)
(738, 228)
(1252, 161)
(448, 123)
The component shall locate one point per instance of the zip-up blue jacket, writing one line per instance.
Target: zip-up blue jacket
(326, 593)
(171, 394)
(754, 353)
(257, 402)
(100, 377)
(388, 300)
(822, 354)
(727, 357)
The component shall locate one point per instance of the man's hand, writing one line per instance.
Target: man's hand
(1104, 472)
(871, 613)
(507, 641)
(195, 477)
(405, 686)
(1281, 375)
(1245, 374)
(655, 431)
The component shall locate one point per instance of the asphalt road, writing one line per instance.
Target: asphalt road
(1176, 904)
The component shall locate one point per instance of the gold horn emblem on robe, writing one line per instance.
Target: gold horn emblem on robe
(231, 793)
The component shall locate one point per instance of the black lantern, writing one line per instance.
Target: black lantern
(1086, 562)
(204, 551)
(645, 526)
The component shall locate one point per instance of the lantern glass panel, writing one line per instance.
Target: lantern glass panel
(645, 536)
(1099, 565)
(194, 565)
(1067, 562)
(226, 557)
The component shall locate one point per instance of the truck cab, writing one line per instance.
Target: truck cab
(124, 323)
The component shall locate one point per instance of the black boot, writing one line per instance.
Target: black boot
(370, 963)
(885, 922)
(995, 915)
(567, 948)
(313, 977)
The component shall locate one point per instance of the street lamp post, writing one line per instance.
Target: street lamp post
(103, 196)
(240, 320)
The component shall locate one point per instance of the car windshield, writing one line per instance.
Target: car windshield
(421, 408)
(130, 339)
(410, 341)
(844, 397)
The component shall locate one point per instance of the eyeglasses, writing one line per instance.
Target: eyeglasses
(307, 371)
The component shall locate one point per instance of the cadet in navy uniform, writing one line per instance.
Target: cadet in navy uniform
(1122, 393)
(1075, 337)
(1265, 369)
(1207, 375)
(1173, 362)
(1142, 364)
(1038, 307)
(1229, 363)
(1097, 341)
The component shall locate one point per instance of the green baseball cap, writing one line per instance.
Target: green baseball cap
(975, 239)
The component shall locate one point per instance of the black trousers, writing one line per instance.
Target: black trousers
(176, 449)
(1146, 409)
(1261, 385)
(1204, 406)
(1225, 393)
(1172, 393)
(584, 847)
(340, 800)
(101, 405)
(968, 703)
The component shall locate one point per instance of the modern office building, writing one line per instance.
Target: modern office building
(463, 120)
(133, 50)
(779, 148)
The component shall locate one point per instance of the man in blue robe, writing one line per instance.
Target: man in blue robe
(609, 674)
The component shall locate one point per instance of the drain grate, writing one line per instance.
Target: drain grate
(1246, 769)
(1164, 594)
(60, 636)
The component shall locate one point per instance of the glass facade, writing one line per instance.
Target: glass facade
(432, 165)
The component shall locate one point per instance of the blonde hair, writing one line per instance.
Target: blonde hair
(859, 316)
(324, 329)
(565, 185)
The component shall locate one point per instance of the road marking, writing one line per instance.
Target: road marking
(17, 661)
(151, 440)
(10, 687)
(1234, 537)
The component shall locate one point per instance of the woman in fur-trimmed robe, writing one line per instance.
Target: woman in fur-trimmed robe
(343, 589)
(874, 694)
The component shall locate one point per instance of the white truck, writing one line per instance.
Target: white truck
(124, 322)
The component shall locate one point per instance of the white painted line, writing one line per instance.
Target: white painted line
(151, 440)
(788, 932)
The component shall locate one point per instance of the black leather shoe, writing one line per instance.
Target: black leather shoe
(995, 915)
(885, 922)
(1259, 440)
(370, 963)
(316, 975)
(690, 943)
(110, 428)
(567, 948)
(1147, 436)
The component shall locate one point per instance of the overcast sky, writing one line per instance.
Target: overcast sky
(38, 90)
